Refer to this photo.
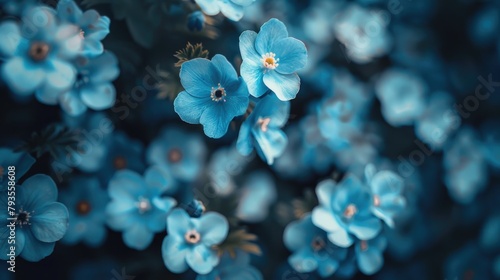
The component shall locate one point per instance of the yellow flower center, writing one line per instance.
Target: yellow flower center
(270, 61)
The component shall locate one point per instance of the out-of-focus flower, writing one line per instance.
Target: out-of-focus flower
(19, 160)
(213, 94)
(312, 250)
(183, 153)
(86, 202)
(465, 166)
(369, 254)
(39, 221)
(39, 61)
(232, 9)
(363, 32)
(93, 27)
(224, 165)
(402, 95)
(270, 60)
(262, 129)
(93, 87)
(257, 194)
(484, 26)
(345, 209)
(387, 193)
(190, 240)
(237, 267)
(491, 139)
(467, 263)
(17, 7)
(438, 121)
(138, 206)
(196, 21)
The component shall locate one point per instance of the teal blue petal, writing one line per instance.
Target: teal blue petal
(285, 86)
(292, 55)
(199, 76)
(35, 250)
(174, 254)
(213, 228)
(270, 32)
(50, 223)
(190, 108)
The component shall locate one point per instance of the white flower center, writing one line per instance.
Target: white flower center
(263, 123)
(350, 211)
(218, 94)
(270, 61)
(192, 237)
(376, 200)
(143, 205)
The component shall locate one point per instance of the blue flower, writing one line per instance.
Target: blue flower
(312, 251)
(17, 7)
(93, 27)
(86, 202)
(466, 171)
(402, 95)
(93, 87)
(262, 129)
(345, 209)
(181, 152)
(270, 60)
(491, 138)
(224, 164)
(40, 221)
(213, 94)
(258, 193)
(122, 153)
(39, 62)
(196, 21)
(237, 267)
(190, 240)
(369, 254)
(386, 188)
(232, 9)
(138, 206)
(21, 162)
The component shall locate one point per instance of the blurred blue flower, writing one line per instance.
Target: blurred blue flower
(490, 234)
(345, 209)
(438, 121)
(39, 222)
(466, 172)
(270, 60)
(258, 192)
(17, 7)
(491, 147)
(86, 202)
(138, 205)
(38, 61)
(312, 251)
(213, 94)
(262, 129)
(190, 240)
(387, 193)
(484, 25)
(121, 153)
(93, 27)
(363, 32)
(232, 9)
(183, 153)
(237, 267)
(21, 161)
(369, 254)
(93, 87)
(224, 165)
(196, 21)
(467, 263)
(402, 95)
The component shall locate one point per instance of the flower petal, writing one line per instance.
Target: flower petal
(199, 76)
(244, 143)
(50, 223)
(11, 38)
(21, 76)
(324, 219)
(231, 10)
(174, 254)
(285, 87)
(178, 222)
(341, 238)
(137, 236)
(99, 97)
(272, 143)
(247, 48)
(365, 229)
(292, 54)
(270, 32)
(71, 103)
(324, 192)
(213, 228)
(36, 192)
(202, 259)
(209, 7)
(254, 78)
(370, 261)
(35, 250)
(190, 108)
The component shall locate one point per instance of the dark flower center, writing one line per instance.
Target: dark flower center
(363, 245)
(119, 163)
(174, 155)
(218, 93)
(318, 243)
(39, 51)
(23, 218)
(83, 208)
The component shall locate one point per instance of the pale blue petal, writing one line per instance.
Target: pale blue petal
(71, 103)
(209, 7)
(284, 86)
(21, 76)
(202, 259)
(213, 228)
(247, 48)
(178, 222)
(174, 254)
(254, 78)
(231, 10)
(386, 182)
(324, 192)
(292, 54)
(199, 76)
(11, 38)
(270, 32)
(324, 219)
(137, 236)
(50, 223)
(303, 261)
(365, 229)
(272, 143)
(244, 143)
(228, 73)
(341, 238)
(99, 97)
